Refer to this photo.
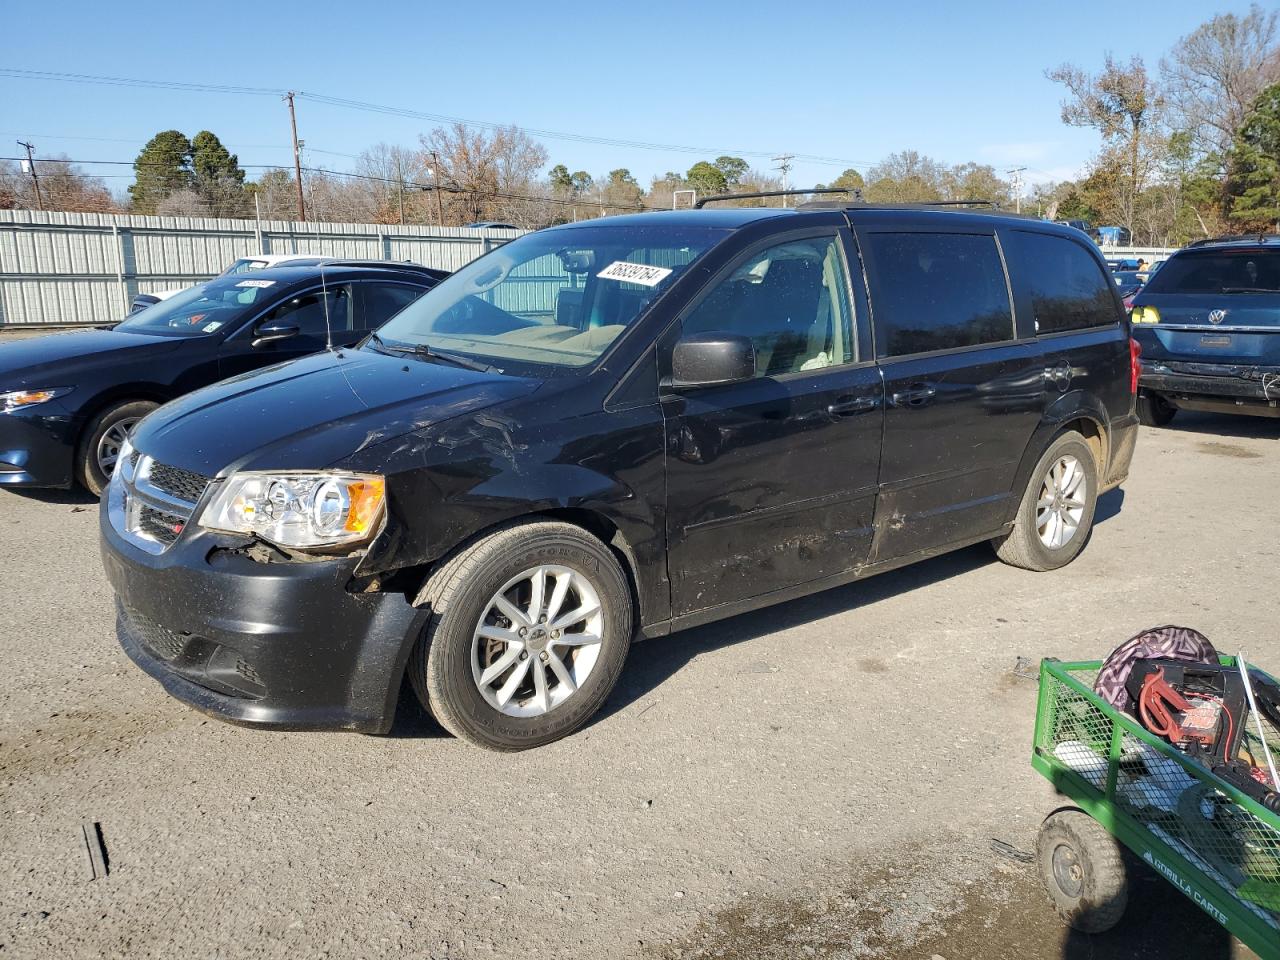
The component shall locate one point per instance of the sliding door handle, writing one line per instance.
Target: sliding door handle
(917, 395)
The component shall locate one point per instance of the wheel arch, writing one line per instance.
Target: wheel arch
(413, 580)
(92, 408)
(1083, 418)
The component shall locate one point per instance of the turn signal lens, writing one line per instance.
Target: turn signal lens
(16, 399)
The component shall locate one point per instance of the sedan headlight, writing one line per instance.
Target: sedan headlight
(16, 399)
(302, 510)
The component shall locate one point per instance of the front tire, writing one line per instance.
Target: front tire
(1056, 513)
(530, 626)
(100, 444)
(1154, 410)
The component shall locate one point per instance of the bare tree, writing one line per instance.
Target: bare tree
(63, 186)
(482, 171)
(184, 203)
(1216, 72)
(1124, 106)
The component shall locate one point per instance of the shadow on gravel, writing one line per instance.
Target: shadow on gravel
(1222, 425)
(651, 662)
(73, 497)
(411, 721)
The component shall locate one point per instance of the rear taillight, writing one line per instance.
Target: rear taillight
(1135, 364)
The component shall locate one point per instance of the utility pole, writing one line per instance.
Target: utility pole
(1015, 174)
(435, 180)
(783, 162)
(31, 169)
(400, 185)
(297, 157)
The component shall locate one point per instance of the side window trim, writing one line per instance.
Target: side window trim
(667, 337)
(1094, 257)
(863, 235)
(262, 314)
(359, 288)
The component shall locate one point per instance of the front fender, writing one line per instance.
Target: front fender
(449, 484)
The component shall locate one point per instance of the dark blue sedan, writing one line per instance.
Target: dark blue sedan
(69, 400)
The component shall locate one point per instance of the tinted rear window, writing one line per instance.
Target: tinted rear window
(937, 291)
(1069, 290)
(1220, 271)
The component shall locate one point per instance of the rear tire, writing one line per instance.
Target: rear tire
(1053, 524)
(484, 667)
(1081, 866)
(94, 454)
(1154, 410)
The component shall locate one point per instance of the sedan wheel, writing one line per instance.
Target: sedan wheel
(111, 442)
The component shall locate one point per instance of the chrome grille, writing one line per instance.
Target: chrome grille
(159, 525)
(151, 503)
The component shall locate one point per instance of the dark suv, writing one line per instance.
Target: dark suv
(618, 427)
(1208, 322)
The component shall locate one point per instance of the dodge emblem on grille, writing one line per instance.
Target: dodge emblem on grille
(1217, 316)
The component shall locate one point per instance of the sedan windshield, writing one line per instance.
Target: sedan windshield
(556, 298)
(200, 310)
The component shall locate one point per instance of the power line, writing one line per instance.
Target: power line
(424, 187)
(367, 106)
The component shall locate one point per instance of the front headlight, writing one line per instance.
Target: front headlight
(16, 399)
(302, 510)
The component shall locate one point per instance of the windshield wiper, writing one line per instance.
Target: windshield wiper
(425, 352)
(1248, 290)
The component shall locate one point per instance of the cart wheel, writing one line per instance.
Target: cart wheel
(1081, 867)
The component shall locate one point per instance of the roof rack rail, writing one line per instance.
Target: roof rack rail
(1258, 237)
(717, 197)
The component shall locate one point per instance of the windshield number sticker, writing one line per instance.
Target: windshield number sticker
(212, 326)
(256, 283)
(640, 273)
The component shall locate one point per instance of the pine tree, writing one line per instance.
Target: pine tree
(218, 178)
(163, 167)
(1256, 180)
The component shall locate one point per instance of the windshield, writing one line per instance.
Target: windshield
(1233, 271)
(556, 298)
(243, 265)
(200, 310)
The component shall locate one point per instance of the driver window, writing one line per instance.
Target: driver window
(792, 300)
(307, 311)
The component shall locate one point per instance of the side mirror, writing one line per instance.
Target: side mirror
(712, 359)
(272, 331)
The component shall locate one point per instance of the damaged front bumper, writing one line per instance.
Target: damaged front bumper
(282, 645)
(1214, 387)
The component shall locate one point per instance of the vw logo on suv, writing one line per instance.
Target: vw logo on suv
(1217, 316)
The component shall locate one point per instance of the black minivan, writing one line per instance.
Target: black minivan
(614, 428)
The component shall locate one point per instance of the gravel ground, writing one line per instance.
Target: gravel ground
(819, 779)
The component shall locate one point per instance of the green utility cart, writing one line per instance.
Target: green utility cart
(1218, 846)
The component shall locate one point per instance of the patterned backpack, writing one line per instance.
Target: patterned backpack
(1166, 643)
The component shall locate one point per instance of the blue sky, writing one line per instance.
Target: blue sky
(847, 81)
